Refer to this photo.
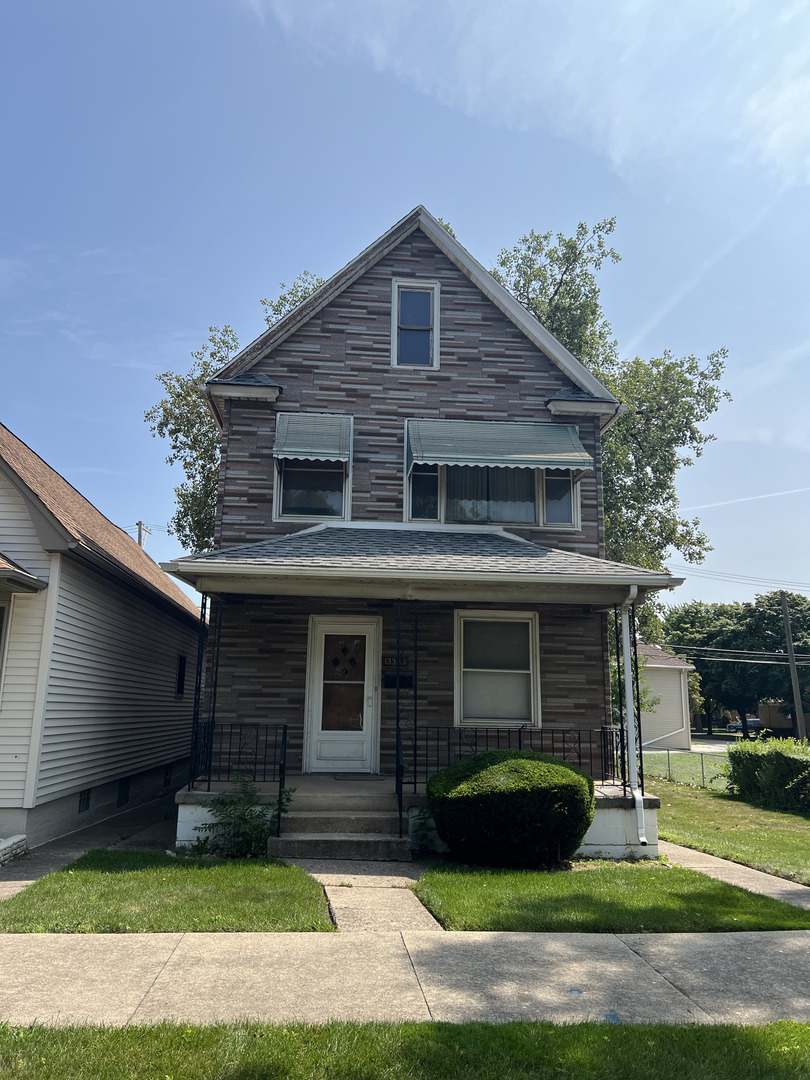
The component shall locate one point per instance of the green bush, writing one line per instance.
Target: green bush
(774, 773)
(241, 823)
(512, 808)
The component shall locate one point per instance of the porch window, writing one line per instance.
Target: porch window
(415, 324)
(485, 495)
(497, 679)
(312, 453)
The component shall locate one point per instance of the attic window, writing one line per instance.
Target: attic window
(415, 324)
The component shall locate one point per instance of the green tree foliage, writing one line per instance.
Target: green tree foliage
(183, 417)
(666, 399)
(750, 627)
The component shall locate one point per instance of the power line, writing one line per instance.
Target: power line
(742, 652)
(742, 579)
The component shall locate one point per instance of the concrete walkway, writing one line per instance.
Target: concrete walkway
(119, 979)
(371, 896)
(755, 881)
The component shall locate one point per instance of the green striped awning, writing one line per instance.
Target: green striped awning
(313, 437)
(482, 442)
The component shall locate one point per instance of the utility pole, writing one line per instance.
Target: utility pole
(144, 529)
(801, 730)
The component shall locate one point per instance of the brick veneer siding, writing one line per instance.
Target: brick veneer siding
(262, 670)
(340, 361)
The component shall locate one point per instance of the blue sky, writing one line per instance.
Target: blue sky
(167, 163)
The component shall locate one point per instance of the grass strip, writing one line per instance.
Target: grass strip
(410, 1051)
(624, 898)
(775, 841)
(126, 892)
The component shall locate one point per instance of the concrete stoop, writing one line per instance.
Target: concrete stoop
(329, 825)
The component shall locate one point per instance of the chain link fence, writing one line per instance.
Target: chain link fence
(683, 767)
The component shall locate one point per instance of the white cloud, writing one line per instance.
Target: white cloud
(692, 86)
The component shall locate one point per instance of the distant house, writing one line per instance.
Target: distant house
(667, 724)
(97, 651)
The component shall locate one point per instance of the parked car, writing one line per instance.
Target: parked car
(754, 724)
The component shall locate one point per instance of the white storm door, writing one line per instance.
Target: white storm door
(343, 712)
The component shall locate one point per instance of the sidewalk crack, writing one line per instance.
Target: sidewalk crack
(416, 975)
(151, 986)
(674, 985)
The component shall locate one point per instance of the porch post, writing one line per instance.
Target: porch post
(629, 702)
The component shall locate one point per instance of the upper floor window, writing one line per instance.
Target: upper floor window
(474, 472)
(489, 495)
(312, 453)
(415, 324)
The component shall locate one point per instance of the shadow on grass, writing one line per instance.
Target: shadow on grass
(624, 899)
(413, 1051)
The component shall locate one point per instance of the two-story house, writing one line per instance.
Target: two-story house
(409, 557)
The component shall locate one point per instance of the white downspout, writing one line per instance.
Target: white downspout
(630, 713)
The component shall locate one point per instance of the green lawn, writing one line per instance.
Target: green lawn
(775, 841)
(124, 892)
(624, 898)
(703, 769)
(426, 1051)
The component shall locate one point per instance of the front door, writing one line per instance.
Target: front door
(342, 706)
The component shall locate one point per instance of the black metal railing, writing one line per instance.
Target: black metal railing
(255, 751)
(400, 778)
(427, 749)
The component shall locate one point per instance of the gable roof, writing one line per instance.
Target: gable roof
(655, 656)
(80, 526)
(419, 218)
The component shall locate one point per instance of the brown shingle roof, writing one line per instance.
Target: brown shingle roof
(657, 657)
(85, 524)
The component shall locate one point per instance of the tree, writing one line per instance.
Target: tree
(666, 399)
(732, 629)
(183, 418)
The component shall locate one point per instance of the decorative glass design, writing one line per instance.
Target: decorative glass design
(344, 681)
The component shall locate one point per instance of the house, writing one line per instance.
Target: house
(666, 725)
(97, 650)
(409, 556)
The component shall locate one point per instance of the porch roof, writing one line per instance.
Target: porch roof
(15, 578)
(443, 563)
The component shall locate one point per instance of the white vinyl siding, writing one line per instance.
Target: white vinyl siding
(112, 708)
(18, 537)
(18, 689)
(667, 725)
(25, 616)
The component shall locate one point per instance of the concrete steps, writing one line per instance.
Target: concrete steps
(371, 847)
(341, 825)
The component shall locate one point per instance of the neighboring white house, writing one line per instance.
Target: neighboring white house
(97, 652)
(667, 725)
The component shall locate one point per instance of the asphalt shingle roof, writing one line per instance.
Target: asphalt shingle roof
(412, 551)
(85, 524)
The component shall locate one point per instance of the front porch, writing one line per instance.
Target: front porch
(332, 817)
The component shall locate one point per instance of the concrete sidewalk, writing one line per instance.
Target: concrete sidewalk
(119, 979)
(745, 877)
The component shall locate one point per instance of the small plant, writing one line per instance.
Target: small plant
(241, 823)
(282, 803)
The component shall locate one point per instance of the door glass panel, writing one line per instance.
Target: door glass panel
(344, 679)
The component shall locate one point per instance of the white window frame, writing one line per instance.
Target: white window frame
(539, 502)
(461, 616)
(415, 285)
(347, 485)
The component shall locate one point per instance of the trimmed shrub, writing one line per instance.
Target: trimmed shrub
(512, 808)
(774, 773)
